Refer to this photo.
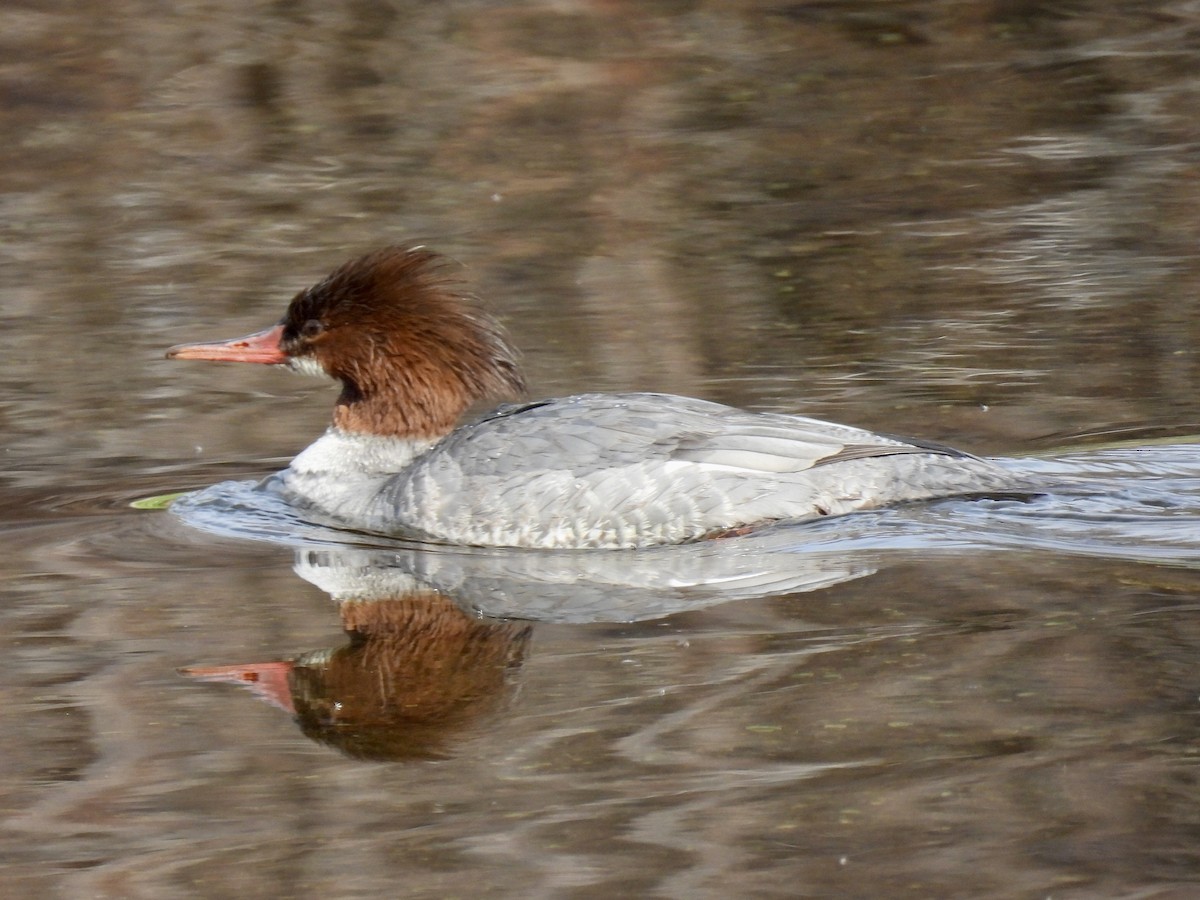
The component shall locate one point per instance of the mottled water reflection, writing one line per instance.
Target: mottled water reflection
(975, 223)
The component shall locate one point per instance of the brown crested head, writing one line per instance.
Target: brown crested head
(411, 350)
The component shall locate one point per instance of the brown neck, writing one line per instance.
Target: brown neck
(419, 412)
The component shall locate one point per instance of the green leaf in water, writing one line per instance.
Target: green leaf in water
(162, 501)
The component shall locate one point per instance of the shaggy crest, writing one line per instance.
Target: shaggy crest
(411, 350)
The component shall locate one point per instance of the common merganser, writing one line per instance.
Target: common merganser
(412, 353)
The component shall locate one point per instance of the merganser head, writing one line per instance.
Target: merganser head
(411, 351)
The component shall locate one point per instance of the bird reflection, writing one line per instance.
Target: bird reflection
(417, 676)
(437, 636)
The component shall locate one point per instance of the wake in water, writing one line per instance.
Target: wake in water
(1134, 503)
(1140, 503)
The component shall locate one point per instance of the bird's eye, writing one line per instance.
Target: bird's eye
(311, 328)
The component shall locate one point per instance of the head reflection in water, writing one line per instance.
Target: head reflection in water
(418, 676)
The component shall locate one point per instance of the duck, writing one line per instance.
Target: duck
(413, 352)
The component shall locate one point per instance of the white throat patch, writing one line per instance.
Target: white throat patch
(307, 365)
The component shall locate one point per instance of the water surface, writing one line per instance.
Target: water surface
(972, 223)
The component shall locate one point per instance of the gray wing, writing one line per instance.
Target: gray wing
(639, 469)
(603, 431)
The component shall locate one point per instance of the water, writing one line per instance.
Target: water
(972, 223)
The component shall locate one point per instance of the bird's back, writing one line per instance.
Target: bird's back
(627, 470)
